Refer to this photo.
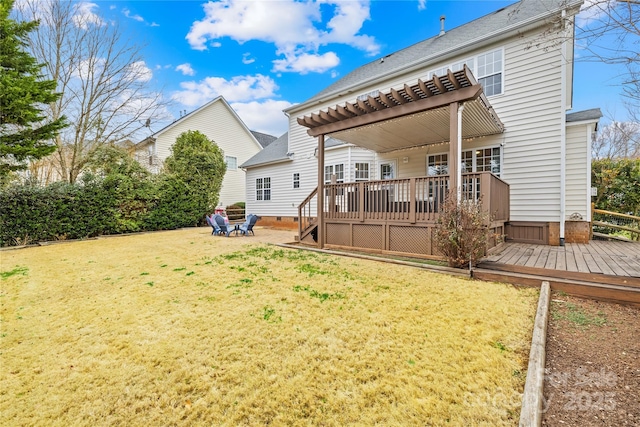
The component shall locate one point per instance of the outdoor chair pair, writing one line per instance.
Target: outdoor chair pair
(220, 226)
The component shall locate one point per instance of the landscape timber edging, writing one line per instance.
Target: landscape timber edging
(532, 398)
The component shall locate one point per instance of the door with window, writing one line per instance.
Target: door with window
(388, 169)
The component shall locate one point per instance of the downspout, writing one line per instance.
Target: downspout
(459, 159)
(563, 128)
(589, 159)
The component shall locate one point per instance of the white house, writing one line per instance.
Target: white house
(221, 124)
(494, 94)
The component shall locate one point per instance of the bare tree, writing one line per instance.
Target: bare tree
(102, 77)
(617, 140)
(610, 31)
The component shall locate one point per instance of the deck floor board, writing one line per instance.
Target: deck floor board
(596, 257)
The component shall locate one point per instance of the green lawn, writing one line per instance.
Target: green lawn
(185, 328)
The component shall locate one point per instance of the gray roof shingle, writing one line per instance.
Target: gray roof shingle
(579, 116)
(263, 138)
(454, 41)
(276, 151)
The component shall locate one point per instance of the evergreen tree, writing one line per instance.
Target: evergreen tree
(25, 132)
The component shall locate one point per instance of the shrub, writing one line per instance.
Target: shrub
(235, 211)
(461, 231)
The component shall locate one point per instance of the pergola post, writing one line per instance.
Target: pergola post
(320, 204)
(455, 157)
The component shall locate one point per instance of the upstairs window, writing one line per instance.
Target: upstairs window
(489, 72)
(232, 163)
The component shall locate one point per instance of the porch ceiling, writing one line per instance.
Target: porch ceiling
(413, 116)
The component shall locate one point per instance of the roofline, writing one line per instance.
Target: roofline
(272, 162)
(216, 99)
(582, 122)
(420, 63)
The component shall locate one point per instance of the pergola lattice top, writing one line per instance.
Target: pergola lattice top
(439, 92)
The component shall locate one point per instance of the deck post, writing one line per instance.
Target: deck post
(320, 191)
(412, 200)
(361, 201)
(454, 154)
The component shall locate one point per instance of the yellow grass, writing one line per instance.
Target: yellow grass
(184, 328)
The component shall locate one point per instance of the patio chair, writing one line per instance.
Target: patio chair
(224, 227)
(247, 226)
(212, 222)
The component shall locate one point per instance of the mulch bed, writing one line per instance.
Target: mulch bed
(592, 364)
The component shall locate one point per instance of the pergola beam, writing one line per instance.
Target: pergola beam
(436, 101)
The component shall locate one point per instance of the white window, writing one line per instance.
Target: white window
(480, 160)
(232, 163)
(338, 170)
(437, 164)
(296, 180)
(263, 188)
(388, 170)
(488, 159)
(362, 172)
(489, 72)
(488, 68)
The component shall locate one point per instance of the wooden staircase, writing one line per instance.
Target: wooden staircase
(307, 220)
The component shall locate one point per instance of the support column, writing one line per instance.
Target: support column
(320, 204)
(454, 154)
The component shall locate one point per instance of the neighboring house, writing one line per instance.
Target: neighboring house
(220, 123)
(492, 94)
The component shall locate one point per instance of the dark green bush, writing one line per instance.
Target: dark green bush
(116, 196)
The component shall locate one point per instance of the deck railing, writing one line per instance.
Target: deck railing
(412, 199)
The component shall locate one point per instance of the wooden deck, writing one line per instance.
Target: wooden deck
(597, 257)
(600, 269)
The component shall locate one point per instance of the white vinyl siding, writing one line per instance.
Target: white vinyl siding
(529, 107)
(577, 185)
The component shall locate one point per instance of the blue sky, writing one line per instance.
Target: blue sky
(264, 56)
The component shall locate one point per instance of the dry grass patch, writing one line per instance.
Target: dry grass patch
(184, 328)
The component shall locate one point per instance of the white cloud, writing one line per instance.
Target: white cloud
(186, 69)
(238, 89)
(593, 10)
(246, 60)
(295, 28)
(140, 72)
(126, 12)
(265, 116)
(422, 4)
(84, 15)
(154, 24)
(304, 62)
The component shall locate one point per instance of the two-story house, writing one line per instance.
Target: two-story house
(221, 124)
(481, 109)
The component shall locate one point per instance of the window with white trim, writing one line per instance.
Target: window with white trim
(263, 188)
(362, 172)
(338, 170)
(480, 160)
(488, 159)
(232, 163)
(437, 164)
(296, 180)
(487, 67)
(489, 72)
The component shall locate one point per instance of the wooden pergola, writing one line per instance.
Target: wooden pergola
(421, 114)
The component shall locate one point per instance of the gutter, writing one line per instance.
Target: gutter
(563, 132)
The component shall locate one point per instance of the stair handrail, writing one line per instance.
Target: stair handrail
(305, 218)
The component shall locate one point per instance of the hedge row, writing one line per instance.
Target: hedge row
(97, 206)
